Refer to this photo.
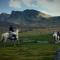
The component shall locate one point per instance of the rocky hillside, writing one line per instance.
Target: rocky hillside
(29, 18)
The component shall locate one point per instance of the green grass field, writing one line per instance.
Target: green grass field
(36, 36)
(30, 51)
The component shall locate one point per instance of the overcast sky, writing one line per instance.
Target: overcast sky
(52, 7)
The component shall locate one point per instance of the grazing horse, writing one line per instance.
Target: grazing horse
(56, 36)
(9, 36)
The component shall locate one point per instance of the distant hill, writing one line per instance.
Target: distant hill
(29, 18)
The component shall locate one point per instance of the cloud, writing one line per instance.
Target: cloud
(15, 4)
(53, 7)
(27, 2)
(50, 6)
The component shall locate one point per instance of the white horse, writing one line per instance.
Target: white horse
(6, 35)
(56, 37)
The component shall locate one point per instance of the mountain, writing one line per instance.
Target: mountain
(29, 18)
(3, 17)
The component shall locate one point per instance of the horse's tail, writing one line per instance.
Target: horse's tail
(2, 38)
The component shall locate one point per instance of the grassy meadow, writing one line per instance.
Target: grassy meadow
(36, 37)
(30, 50)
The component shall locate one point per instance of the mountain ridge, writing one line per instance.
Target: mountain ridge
(30, 18)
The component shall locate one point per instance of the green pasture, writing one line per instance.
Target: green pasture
(36, 36)
(30, 51)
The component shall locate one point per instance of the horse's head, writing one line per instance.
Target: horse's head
(55, 34)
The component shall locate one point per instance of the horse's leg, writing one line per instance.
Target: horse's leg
(16, 40)
(14, 43)
(55, 39)
(58, 38)
(5, 41)
(11, 42)
(2, 39)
